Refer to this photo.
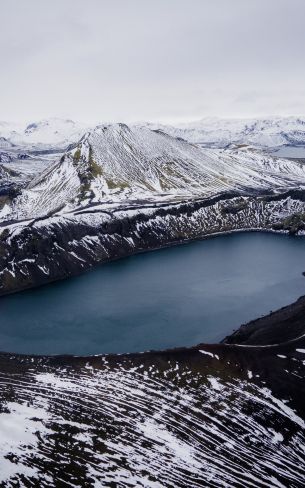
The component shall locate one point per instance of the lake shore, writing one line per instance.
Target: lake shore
(146, 301)
(161, 413)
(280, 326)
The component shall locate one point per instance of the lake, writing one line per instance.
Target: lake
(297, 152)
(179, 296)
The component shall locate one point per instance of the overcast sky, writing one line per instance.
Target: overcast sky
(168, 60)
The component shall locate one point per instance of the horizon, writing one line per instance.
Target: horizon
(165, 121)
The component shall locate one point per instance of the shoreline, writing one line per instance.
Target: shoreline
(286, 324)
(256, 329)
(65, 247)
(182, 242)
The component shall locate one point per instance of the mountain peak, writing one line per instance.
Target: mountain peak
(115, 163)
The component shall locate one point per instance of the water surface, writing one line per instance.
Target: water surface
(178, 296)
(297, 152)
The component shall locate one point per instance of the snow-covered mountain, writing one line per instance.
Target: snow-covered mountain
(44, 134)
(118, 191)
(218, 132)
(5, 143)
(272, 132)
(117, 163)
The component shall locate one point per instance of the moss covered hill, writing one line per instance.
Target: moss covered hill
(116, 163)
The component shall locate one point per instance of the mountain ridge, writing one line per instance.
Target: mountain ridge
(265, 132)
(116, 163)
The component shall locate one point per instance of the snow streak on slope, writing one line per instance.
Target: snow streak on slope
(178, 419)
(117, 163)
(5, 143)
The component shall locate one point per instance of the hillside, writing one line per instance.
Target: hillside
(117, 163)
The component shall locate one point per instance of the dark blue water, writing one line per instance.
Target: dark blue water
(173, 297)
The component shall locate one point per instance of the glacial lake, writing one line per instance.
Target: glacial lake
(297, 152)
(179, 296)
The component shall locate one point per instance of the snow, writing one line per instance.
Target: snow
(18, 428)
(135, 163)
(53, 132)
(214, 383)
(206, 352)
(221, 132)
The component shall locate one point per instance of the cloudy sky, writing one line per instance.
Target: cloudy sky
(168, 60)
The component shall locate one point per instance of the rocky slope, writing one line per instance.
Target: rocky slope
(213, 416)
(17, 169)
(122, 190)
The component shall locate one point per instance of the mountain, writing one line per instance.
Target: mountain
(29, 148)
(54, 133)
(269, 132)
(116, 163)
(58, 134)
(122, 190)
(5, 143)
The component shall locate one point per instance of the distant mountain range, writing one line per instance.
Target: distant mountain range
(47, 133)
(269, 132)
(217, 132)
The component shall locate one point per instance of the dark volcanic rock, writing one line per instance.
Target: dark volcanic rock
(60, 246)
(276, 328)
